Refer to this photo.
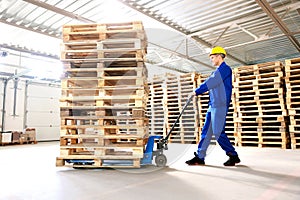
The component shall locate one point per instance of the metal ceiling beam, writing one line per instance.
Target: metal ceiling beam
(174, 26)
(22, 49)
(160, 19)
(183, 56)
(152, 62)
(217, 40)
(290, 7)
(267, 8)
(27, 28)
(228, 55)
(274, 26)
(59, 10)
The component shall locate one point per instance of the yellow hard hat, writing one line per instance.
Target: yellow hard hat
(217, 50)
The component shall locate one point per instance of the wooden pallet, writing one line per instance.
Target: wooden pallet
(103, 65)
(106, 91)
(101, 151)
(102, 100)
(96, 82)
(294, 61)
(79, 45)
(295, 136)
(119, 140)
(258, 69)
(111, 45)
(106, 72)
(92, 59)
(102, 111)
(254, 110)
(103, 31)
(122, 53)
(107, 129)
(292, 71)
(256, 85)
(124, 119)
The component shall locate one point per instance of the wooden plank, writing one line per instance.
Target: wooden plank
(103, 31)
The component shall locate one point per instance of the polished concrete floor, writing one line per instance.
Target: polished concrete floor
(29, 172)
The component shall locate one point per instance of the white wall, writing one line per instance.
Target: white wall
(37, 107)
(43, 111)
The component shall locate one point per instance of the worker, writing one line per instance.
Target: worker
(219, 85)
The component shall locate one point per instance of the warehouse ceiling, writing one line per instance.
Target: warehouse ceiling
(180, 32)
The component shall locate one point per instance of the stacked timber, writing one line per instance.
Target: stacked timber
(169, 93)
(156, 106)
(189, 121)
(292, 80)
(172, 107)
(104, 95)
(259, 105)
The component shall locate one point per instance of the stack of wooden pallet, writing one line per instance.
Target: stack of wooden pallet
(259, 105)
(189, 121)
(155, 106)
(169, 93)
(172, 107)
(203, 107)
(292, 79)
(104, 95)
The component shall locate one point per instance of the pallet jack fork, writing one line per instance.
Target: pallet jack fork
(162, 143)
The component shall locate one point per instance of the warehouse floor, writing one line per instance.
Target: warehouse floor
(29, 172)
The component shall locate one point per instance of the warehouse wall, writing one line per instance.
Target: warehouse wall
(37, 106)
(43, 111)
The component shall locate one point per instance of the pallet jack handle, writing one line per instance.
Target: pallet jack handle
(191, 96)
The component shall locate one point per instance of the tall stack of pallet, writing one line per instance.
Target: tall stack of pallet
(259, 105)
(189, 121)
(292, 80)
(171, 107)
(169, 93)
(203, 107)
(104, 95)
(155, 106)
(230, 127)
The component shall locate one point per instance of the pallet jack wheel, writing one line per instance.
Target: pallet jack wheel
(161, 160)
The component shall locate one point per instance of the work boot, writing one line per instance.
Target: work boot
(232, 160)
(195, 161)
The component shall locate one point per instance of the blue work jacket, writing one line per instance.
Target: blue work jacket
(219, 85)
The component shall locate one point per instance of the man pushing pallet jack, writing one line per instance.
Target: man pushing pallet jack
(219, 85)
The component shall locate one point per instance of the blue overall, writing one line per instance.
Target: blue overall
(219, 85)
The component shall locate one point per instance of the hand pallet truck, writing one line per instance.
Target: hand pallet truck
(162, 144)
